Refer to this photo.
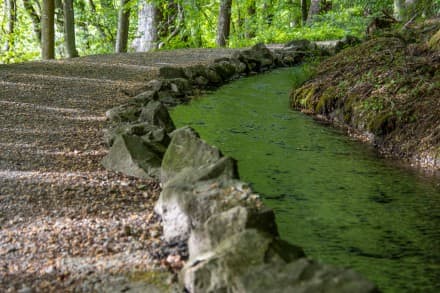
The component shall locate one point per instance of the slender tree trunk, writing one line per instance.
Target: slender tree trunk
(123, 25)
(315, 9)
(35, 17)
(147, 33)
(11, 14)
(304, 11)
(48, 30)
(399, 9)
(59, 13)
(224, 23)
(251, 12)
(69, 29)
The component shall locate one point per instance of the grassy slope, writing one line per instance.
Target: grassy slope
(386, 90)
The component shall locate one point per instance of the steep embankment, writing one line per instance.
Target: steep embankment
(385, 91)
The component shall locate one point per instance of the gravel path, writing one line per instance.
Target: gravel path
(66, 224)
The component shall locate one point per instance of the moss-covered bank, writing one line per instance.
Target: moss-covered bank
(385, 91)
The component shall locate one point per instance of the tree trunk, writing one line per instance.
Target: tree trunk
(251, 11)
(315, 9)
(69, 29)
(147, 33)
(224, 22)
(11, 14)
(123, 26)
(399, 9)
(35, 17)
(48, 30)
(304, 11)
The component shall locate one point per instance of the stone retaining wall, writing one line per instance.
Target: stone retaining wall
(232, 238)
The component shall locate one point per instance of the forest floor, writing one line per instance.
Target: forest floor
(67, 224)
(385, 91)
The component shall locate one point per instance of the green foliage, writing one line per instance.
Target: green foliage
(24, 47)
(193, 23)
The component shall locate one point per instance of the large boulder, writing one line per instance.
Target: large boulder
(223, 225)
(257, 58)
(129, 155)
(222, 269)
(303, 275)
(254, 261)
(224, 68)
(186, 204)
(213, 76)
(144, 98)
(157, 114)
(186, 150)
(130, 111)
(124, 113)
(151, 133)
(191, 72)
(168, 72)
(300, 45)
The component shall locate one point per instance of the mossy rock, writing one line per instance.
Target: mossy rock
(327, 100)
(383, 123)
(154, 281)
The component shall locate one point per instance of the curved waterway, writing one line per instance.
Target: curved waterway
(332, 195)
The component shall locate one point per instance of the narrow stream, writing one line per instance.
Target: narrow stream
(331, 195)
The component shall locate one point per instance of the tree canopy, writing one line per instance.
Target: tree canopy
(83, 27)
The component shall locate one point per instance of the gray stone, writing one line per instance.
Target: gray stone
(130, 111)
(151, 133)
(129, 155)
(300, 45)
(212, 76)
(168, 72)
(124, 113)
(155, 85)
(257, 58)
(224, 68)
(222, 269)
(179, 86)
(240, 67)
(201, 81)
(144, 98)
(252, 261)
(184, 204)
(303, 275)
(191, 72)
(157, 139)
(186, 150)
(223, 225)
(223, 169)
(157, 114)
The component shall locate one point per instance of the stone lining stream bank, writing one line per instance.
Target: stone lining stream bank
(232, 238)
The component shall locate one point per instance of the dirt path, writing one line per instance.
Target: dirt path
(65, 222)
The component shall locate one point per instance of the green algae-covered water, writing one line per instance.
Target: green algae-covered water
(331, 195)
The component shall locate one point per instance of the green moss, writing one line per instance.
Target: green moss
(302, 98)
(327, 100)
(434, 42)
(383, 123)
(156, 278)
